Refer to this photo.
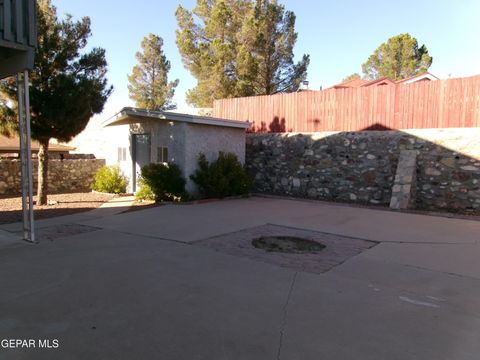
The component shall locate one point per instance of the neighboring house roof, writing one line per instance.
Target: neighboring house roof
(356, 83)
(426, 76)
(129, 115)
(12, 145)
(382, 81)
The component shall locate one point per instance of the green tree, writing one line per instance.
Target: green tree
(209, 47)
(265, 57)
(398, 58)
(353, 76)
(67, 85)
(238, 48)
(148, 83)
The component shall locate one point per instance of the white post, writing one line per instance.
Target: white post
(25, 155)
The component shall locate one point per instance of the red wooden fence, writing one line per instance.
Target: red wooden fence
(424, 104)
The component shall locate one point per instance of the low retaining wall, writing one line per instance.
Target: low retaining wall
(361, 166)
(63, 175)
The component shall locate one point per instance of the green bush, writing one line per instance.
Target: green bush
(224, 177)
(164, 180)
(109, 179)
(144, 192)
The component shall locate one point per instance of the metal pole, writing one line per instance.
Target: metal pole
(29, 156)
(26, 155)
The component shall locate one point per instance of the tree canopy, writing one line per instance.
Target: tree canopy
(238, 48)
(148, 83)
(67, 85)
(400, 57)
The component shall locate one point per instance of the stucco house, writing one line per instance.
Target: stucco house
(161, 136)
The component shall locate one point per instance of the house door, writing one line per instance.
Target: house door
(141, 155)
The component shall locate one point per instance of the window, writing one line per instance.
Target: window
(122, 154)
(162, 154)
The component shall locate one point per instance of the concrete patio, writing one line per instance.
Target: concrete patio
(137, 285)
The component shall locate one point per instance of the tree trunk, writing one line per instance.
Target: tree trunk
(42, 188)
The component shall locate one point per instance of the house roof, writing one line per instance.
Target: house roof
(353, 83)
(356, 83)
(13, 145)
(129, 115)
(418, 77)
(381, 81)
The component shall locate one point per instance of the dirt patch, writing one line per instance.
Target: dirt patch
(60, 204)
(287, 244)
(336, 248)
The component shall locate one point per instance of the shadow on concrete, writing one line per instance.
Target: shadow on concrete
(54, 211)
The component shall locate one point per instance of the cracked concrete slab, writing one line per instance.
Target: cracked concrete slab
(458, 259)
(331, 317)
(9, 239)
(222, 217)
(110, 295)
(139, 289)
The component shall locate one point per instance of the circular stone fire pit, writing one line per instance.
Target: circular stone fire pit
(287, 244)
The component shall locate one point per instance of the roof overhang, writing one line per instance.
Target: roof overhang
(129, 115)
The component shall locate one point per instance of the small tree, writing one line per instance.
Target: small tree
(148, 83)
(398, 58)
(67, 87)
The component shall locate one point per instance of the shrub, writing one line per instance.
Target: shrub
(144, 192)
(165, 181)
(109, 179)
(224, 177)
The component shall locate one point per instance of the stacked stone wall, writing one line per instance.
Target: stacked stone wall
(63, 175)
(361, 166)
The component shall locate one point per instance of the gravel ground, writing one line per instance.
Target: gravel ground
(62, 204)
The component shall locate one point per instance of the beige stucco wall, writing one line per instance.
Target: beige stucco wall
(209, 140)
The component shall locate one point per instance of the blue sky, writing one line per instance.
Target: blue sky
(338, 35)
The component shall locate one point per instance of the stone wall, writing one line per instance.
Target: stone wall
(63, 175)
(361, 166)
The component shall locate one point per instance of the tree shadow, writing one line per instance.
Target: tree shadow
(13, 216)
(11, 207)
(277, 125)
